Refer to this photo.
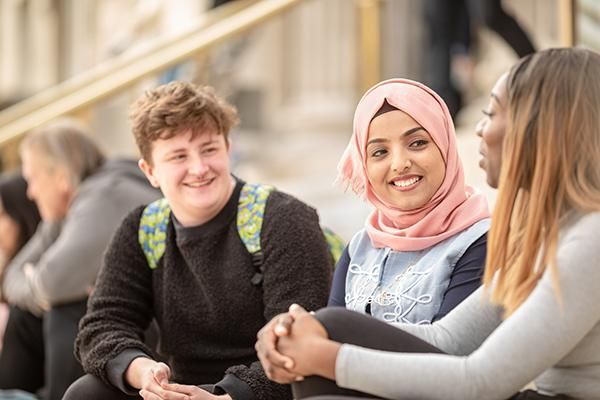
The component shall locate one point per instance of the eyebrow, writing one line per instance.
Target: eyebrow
(407, 133)
(208, 143)
(184, 148)
(174, 151)
(496, 97)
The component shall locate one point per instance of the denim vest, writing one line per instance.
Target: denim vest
(406, 286)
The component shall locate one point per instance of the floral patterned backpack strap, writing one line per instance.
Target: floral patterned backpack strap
(152, 233)
(250, 216)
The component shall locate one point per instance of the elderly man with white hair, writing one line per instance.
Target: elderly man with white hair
(82, 198)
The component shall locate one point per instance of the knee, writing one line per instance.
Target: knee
(335, 320)
(88, 387)
(329, 315)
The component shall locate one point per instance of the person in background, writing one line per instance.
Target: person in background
(450, 24)
(82, 198)
(19, 218)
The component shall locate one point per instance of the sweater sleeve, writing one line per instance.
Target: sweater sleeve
(67, 268)
(337, 296)
(297, 269)
(120, 308)
(533, 339)
(466, 276)
(18, 287)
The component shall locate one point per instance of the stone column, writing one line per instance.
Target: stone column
(319, 65)
(41, 48)
(12, 43)
(402, 39)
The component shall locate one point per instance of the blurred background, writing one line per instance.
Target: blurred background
(294, 68)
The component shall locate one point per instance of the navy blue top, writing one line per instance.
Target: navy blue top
(464, 280)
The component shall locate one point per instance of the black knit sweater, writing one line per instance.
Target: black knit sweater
(202, 297)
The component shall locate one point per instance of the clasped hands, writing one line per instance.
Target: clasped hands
(294, 345)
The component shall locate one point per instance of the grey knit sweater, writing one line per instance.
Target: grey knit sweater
(65, 256)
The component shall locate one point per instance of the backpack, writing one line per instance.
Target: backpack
(152, 231)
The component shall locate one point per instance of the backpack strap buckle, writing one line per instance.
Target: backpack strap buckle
(257, 263)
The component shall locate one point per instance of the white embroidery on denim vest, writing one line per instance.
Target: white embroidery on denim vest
(403, 286)
(363, 285)
(397, 294)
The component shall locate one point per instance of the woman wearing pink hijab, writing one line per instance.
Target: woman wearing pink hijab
(423, 248)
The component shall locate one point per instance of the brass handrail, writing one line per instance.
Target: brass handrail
(369, 43)
(566, 12)
(104, 81)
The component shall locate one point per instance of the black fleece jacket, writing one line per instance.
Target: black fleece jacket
(201, 295)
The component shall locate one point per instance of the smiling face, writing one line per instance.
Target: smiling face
(193, 173)
(492, 129)
(404, 165)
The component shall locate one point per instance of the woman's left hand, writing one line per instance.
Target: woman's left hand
(275, 364)
(193, 392)
(307, 344)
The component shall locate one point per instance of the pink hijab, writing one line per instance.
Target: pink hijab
(453, 208)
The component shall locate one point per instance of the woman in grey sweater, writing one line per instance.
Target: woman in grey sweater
(537, 317)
